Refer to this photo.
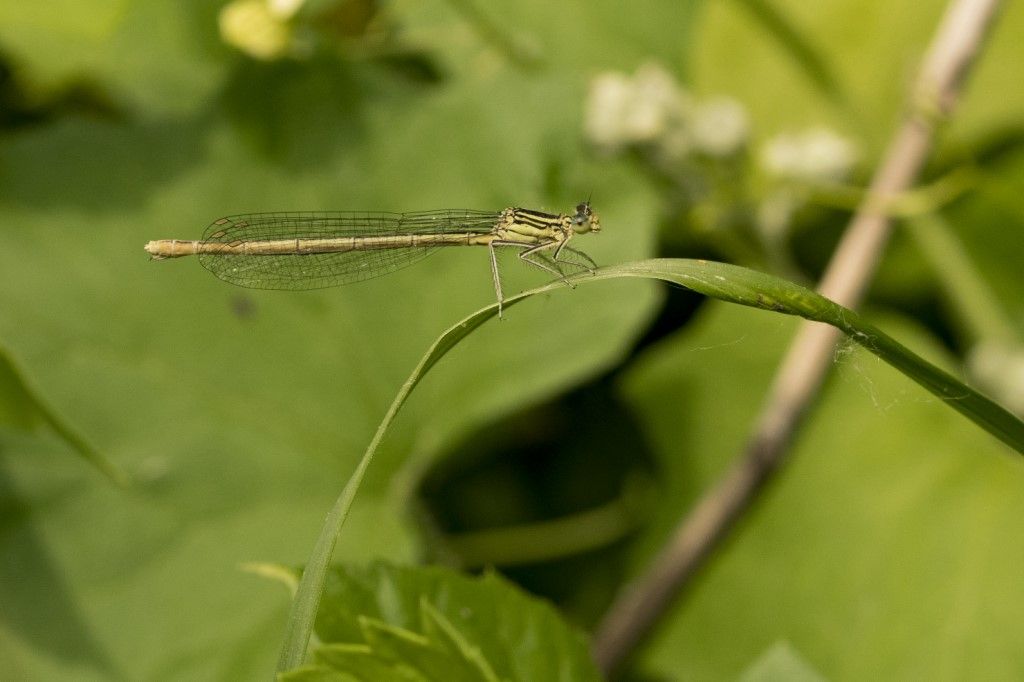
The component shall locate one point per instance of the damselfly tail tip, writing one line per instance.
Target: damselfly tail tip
(154, 250)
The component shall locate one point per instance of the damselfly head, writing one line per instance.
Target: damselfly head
(585, 220)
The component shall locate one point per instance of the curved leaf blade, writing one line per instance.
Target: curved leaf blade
(723, 281)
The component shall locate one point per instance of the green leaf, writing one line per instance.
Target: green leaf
(22, 407)
(241, 413)
(439, 629)
(317, 673)
(858, 58)
(18, 408)
(363, 663)
(889, 515)
(780, 663)
(158, 56)
(805, 54)
(401, 623)
(797, 98)
(408, 649)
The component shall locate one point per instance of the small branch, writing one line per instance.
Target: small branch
(640, 606)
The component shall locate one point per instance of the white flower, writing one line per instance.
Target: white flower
(641, 110)
(720, 127)
(605, 110)
(818, 155)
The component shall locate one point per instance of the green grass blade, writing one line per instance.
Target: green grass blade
(719, 280)
(307, 598)
(748, 287)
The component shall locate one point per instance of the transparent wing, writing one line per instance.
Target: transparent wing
(319, 270)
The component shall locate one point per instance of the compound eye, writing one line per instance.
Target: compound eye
(582, 208)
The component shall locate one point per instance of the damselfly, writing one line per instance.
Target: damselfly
(315, 250)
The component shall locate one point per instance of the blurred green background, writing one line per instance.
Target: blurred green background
(889, 549)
